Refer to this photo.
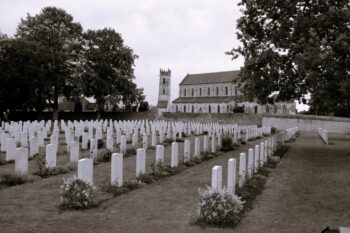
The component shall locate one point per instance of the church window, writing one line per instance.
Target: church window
(218, 108)
(185, 92)
(192, 92)
(200, 91)
(184, 108)
(267, 109)
(228, 108)
(217, 91)
(163, 80)
(226, 90)
(192, 109)
(163, 91)
(176, 108)
(208, 91)
(209, 109)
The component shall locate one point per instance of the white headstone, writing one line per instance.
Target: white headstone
(123, 144)
(93, 148)
(256, 158)
(74, 151)
(109, 145)
(159, 154)
(50, 157)
(231, 175)
(242, 169)
(216, 177)
(174, 154)
(21, 162)
(85, 170)
(205, 143)
(187, 151)
(250, 162)
(117, 169)
(140, 162)
(197, 147)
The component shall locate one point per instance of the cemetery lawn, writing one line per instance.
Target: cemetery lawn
(308, 191)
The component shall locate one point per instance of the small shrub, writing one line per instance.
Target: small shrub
(44, 172)
(189, 163)
(219, 207)
(103, 156)
(251, 189)
(144, 178)
(281, 150)
(12, 179)
(127, 187)
(100, 144)
(226, 143)
(207, 156)
(273, 161)
(160, 170)
(76, 194)
(273, 130)
(168, 141)
(180, 140)
(130, 152)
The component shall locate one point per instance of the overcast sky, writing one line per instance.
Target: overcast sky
(186, 36)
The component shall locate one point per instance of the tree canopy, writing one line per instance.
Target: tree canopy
(50, 57)
(294, 48)
(108, 66)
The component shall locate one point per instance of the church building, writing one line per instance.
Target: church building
(220, 92)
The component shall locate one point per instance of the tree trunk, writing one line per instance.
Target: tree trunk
(55, 105)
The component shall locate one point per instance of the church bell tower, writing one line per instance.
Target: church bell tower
(164, 96)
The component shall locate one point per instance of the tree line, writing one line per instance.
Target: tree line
(297, 47)
(51, 57)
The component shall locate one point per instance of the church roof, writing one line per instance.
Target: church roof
(162, 104)
(213, 99)
(206, 78)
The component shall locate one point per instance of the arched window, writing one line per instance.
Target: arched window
(227, 108)
(163, 91)
(267, 109)
(208, 91)
(226, 90)
(163, 80)
(192, 92)
(176, 108)
(209, 109)
(185, 92)
(200, 91)
(218, 108)
(192, 109)
(184, 108)
(217, 91)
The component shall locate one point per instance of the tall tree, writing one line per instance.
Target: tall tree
(297, 47)
(55, 31)
(108, 67)
(23, 83)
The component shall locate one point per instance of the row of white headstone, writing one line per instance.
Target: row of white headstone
(248, 165)
(85, 166)
(324, 134)
(38, 132)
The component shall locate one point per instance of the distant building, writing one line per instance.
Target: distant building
(220, 92)
(69, 106)
(164, 94)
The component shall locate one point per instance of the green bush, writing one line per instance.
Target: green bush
(44, 172)
(273, 130)
(226, 143)
(207, 156)
(130, 152)
(103, 155)
(219, 207)
(144, 178)
(160, 170)
(76, 194)
(12, 179)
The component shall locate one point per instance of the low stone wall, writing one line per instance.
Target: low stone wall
(309, 123)
(222, 118)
